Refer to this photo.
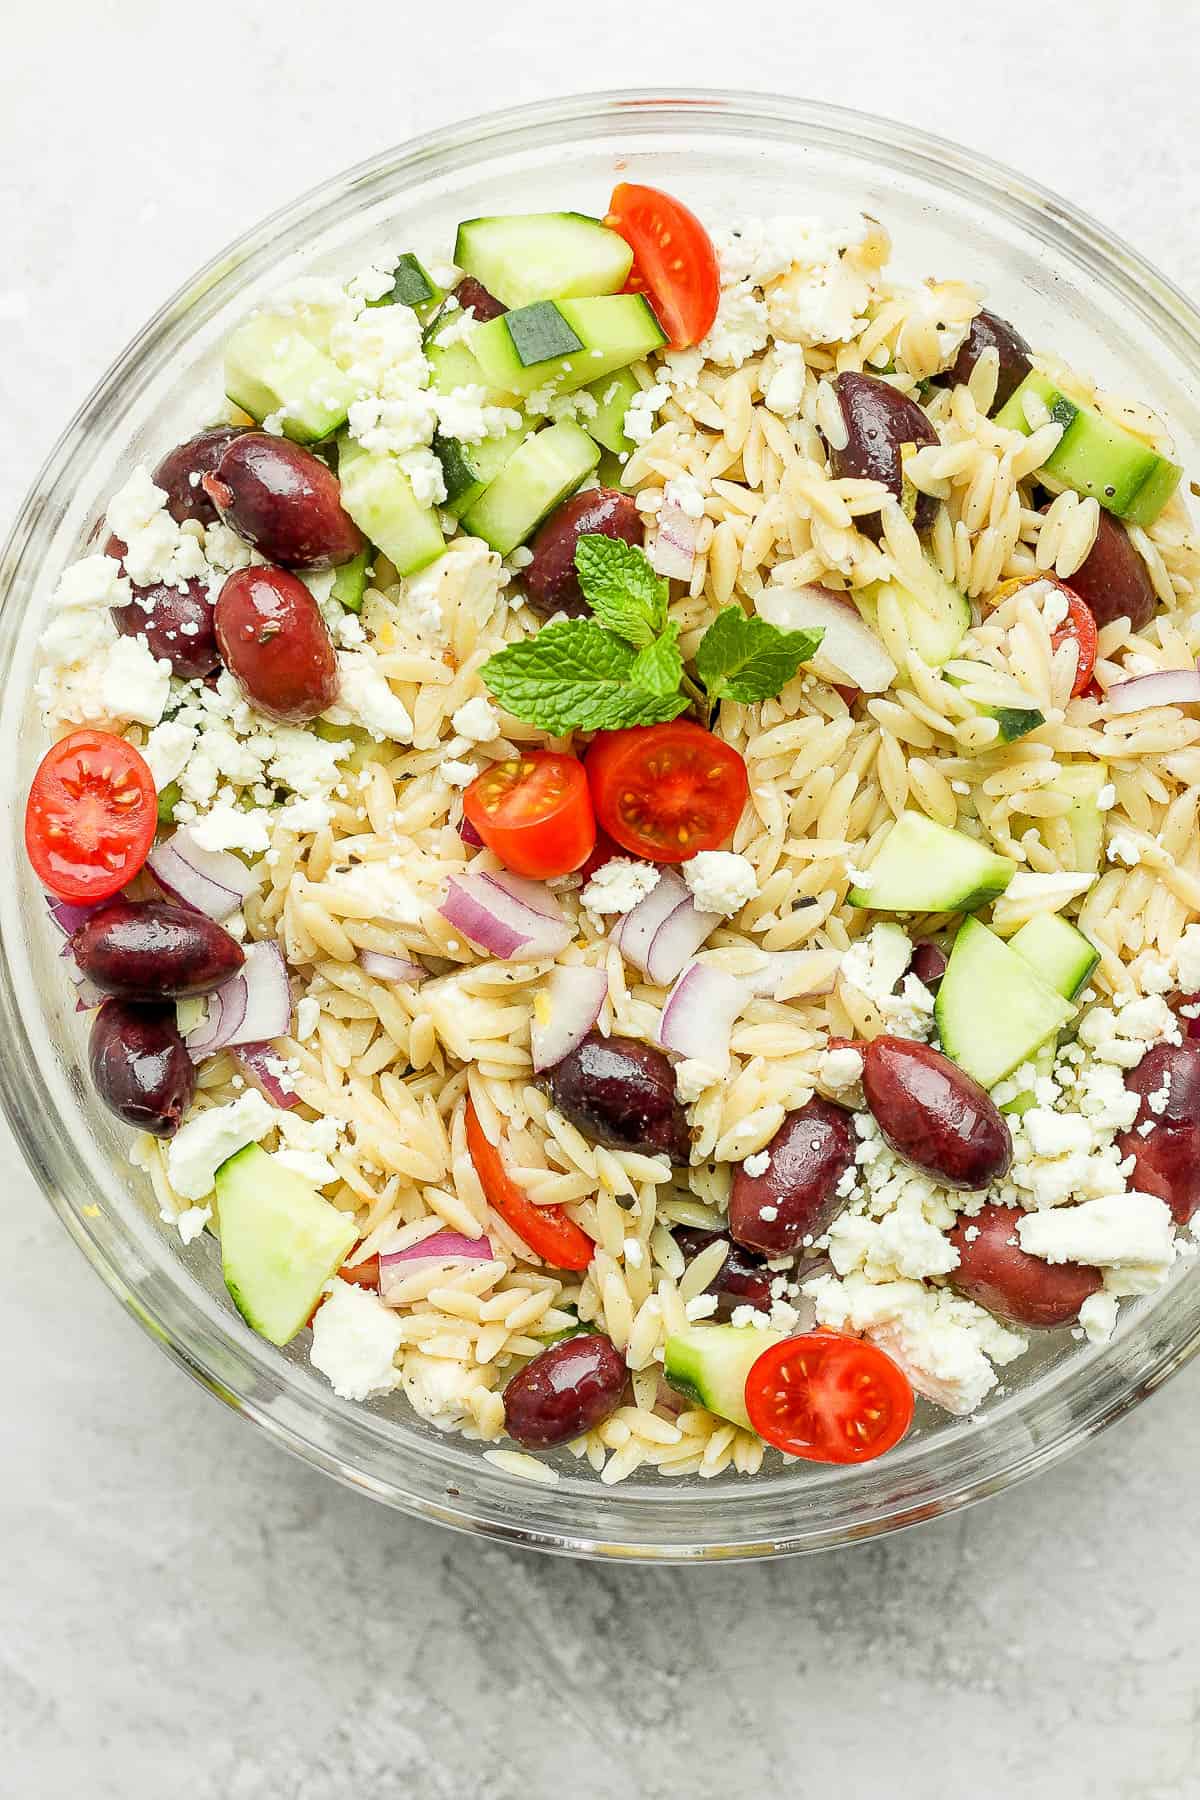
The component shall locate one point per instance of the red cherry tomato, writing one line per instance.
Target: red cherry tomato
(91, 816)
(535, 812)
(666, 792)
(673, 260)
(829, 1398)
(1079, 627)
(546, 1229)
(363, 1274)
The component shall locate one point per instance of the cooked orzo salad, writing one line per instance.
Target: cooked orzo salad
(625, 813)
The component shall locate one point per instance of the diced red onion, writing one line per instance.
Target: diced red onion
(698, 1018)
(673, 551)
(253, 1006)
(513, 919)
(635, 933)
(1166, 687)
(849, 645)
(212, 881)
(390, 968)
(257, 1060)
(226, 1010)
(69, 916)
(571, 999)
(443, 1250)
(678, 938)
(468, 833)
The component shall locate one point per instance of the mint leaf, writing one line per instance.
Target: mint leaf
(659, 667)
(745, 659)
(575, 676)
(621, 588)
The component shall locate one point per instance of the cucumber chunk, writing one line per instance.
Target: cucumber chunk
(993, 1009)
(280, 1242)
(614, 396)
(1094, 456)
(1058, 951)
(710, 1363)
(350, 581)
(1084, 783)
(931, 614)
(521, 350)
(924, 867)
(522, 257)
(412, 285)
(1014, 721)
(547, 467)
(379, 498)
(470, 468)
(272, 368)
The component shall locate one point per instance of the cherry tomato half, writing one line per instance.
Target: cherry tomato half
(673, 260)
(535, 812)
(91, 816)
(829, 1398)
(666, 792)
(1079, 627)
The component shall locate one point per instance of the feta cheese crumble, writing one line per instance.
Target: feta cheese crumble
(619, 885)
(200, 1146)
(720, 881)
(355, 1338)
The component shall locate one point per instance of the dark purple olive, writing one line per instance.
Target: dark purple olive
(472, 293)
(1113, 581)
(183, 469)
(995, 1271)
(928, 963)
(795, 1198)
(273, 640)
(934, 1115)
(176, 623)
(990, 332)
(565, 1391)
(622, 1093)
(551, 581)
(140, 1065)
(743, 1278)
(878, 420)
(1167, 1158)
(283, 500)
(153, 950)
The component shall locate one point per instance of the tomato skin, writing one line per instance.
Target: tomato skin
(91, 816)
(535, 812)
(1078, 626)
(674, 261)
(666, 792)
(546, 1229)
(829, 1398)
(364, 1274)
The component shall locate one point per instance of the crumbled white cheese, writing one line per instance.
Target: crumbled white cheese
(477, 720)
(439, 1388)
(156, 548)
(387, 890)
(229, 827)
(167, 750)
(355, 1337)
(839, 1069)
(1098, 1317)
(619, 885)
(739, 330)
(720, 881)
(91, 583)
(685, 492)
(304, 814)
(701, 1306)
(1112, 1232)
(190, 1223)
(365, 699)
(380, 349)
(308, 1017)
(692, 1077)
(135, 685)
(1187, 959)
(642, 412)
(758, 1164)
(1123, 847)
(457, 774)
(200, 1146)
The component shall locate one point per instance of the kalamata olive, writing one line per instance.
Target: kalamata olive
(565, 1391)
(994, 1270)
(796, 1195)
(1167, 1158)
(551, 581)
(472, 293)
(1113, 581)
(743, 1278)
(1186, 1008)
(176, 623)
(928, 963)
(990, 332)
(182, 470)
(273, 639)
(283, 500)
(154, 950)
(877, 420)
(934, 1115)
(622, 1093)
(140, 1065)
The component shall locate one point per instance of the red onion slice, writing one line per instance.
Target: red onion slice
(445, 1249)
(69, 916)
(212, 881)
(226, 1007)
(673, 550)
(849, 647)
(698, 1018)
(637, 929)
(261, 1062)
(564, 1012)
(252, 1007)
(677, 938)
(390, 968)
(468, 833)
(501, 921)
(1166, 687)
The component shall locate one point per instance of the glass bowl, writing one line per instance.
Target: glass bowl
(1066, 283)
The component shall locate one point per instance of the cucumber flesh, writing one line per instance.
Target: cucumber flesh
(710, 1363)
(926, 868)
(1084, 782)
(931, 614)
(523, 257)
(547, 467)
(1060, 953)
(529, 348)
(272, 368)
(281, 1241)
(1095, 456)
(350, 581)
(453, 364)
(379, 498)
(1014, 721)
(470, 468)
(993, 1009)
(614, 396)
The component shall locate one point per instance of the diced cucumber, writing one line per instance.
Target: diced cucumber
(1043, 1060)
(522, 257)
(379, 498)
(610, 470)
(566, 344)
(470, 468)
(992, 1008)
(413, 285)
(613, 395)
(540, 473)
(281, 1241)
(168, 799)
(453, 364)
(350, 581)
(924, 867)
(1094, 456)
(1014, 721)
(1058, 951)
(710, 1363)
(272, 368)
(1084, 783)
(930, 613)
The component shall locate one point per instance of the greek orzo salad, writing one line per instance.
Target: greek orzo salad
(624, 812)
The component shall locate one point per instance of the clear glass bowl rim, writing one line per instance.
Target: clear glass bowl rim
(870, 138)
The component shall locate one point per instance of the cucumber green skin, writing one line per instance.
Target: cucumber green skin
(607, 425)
(1014, 721)
(993, 1009)
(350, 581)
(614, 332)
(1095, 456)
(709, 1364)
(296, 369)
(547, 467)
(910, 872)
(413, 286)
(168, 799)
(377, 495)
(469, 469)
(523, 257)
(280, 1242)
(1060, 953)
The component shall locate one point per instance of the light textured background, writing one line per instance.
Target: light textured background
(184, 1610)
